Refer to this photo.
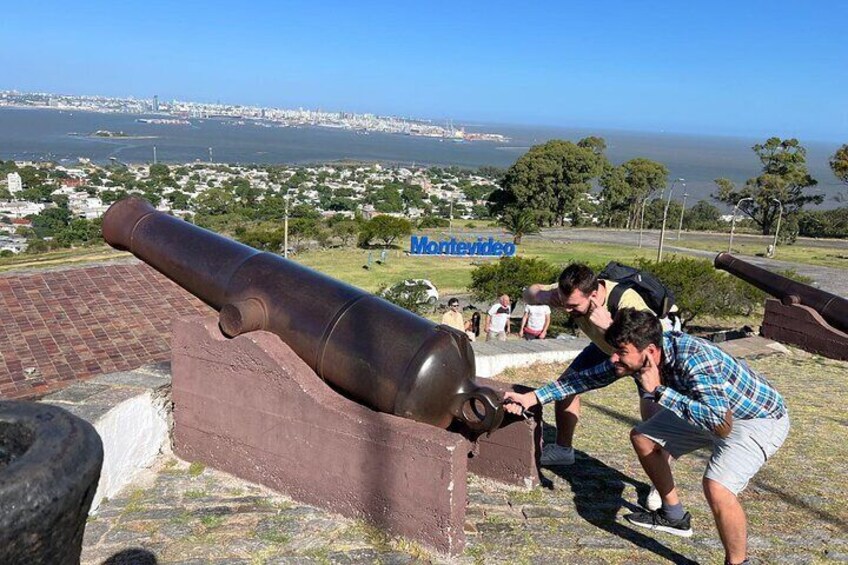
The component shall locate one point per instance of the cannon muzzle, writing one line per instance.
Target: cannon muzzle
(369, 349)
(833, 308)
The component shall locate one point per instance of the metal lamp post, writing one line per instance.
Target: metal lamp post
(286, 227)
(642, 220)
(665, 216)
(450, 215)
(777, 229)
(682, 210)
(733, 222)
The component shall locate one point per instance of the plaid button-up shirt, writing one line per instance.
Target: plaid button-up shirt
(700, 384)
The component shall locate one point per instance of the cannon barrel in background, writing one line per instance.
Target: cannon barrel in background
(377, 353)
(833, 308)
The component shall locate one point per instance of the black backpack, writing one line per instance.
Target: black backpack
(656, 295)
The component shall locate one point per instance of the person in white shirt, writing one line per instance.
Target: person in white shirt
(497, 322)
(535, 323)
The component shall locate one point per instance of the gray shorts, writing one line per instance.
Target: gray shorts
(735, 459)
(492, 336)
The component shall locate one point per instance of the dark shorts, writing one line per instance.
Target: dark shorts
(592, 356)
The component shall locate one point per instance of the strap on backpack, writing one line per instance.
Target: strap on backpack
(615, 297)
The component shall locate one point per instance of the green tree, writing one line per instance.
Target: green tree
(784, 177)
(214, 201)
(839, 166)
(509, 275)
(519, 223)
(412, 196)
(345, 230)
(50, 221)
(80, 232)
(385, 228)
(703, 216)
(626, 187)
(551, 180)
(411, 297)
(178, 200)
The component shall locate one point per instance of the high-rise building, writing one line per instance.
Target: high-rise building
(15, 183)
(155, 102)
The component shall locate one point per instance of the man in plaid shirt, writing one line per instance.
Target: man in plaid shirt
(709, 399)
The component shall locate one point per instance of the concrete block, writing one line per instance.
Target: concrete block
(251, 407)
(511, 453)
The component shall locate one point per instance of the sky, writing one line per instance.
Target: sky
(749, 68)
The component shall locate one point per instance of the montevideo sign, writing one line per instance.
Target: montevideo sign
(482, 247)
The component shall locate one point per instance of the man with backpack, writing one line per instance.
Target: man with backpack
(592, 300)
(706, 399)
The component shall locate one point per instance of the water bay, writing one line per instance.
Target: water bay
(48, 134)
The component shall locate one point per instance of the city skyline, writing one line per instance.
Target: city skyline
(758, 69)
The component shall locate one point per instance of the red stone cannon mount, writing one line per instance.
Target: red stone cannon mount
(799, 314)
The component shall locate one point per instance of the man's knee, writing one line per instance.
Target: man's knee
(716, 493)
(570, 403)
(643, 444)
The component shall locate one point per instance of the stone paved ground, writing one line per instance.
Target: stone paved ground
(797, 505)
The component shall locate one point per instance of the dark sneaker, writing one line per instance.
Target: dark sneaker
(658, 521)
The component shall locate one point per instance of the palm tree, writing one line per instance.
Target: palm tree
(519, 223)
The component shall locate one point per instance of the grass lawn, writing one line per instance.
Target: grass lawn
(61, 257)
(797, 506)
(798, 253)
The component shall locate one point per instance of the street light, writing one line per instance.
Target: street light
(665, 216)
(733, 222)
(286, 227)
(642, 220)
(683, 209)
(450, 215)
(777, 229)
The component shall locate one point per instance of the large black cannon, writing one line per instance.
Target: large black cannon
(371, 350)
(833, 308)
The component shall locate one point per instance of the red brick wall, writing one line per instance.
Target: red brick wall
(67, 325)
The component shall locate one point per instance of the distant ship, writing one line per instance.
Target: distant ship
(164, 121)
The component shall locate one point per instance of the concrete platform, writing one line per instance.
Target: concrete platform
(493, 357)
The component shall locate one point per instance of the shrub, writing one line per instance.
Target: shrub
(701, 289)
(510, 275)
(411, 297)
(432, 222)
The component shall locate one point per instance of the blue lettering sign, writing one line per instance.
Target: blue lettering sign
(482, 247)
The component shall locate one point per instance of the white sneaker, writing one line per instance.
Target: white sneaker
(553, 454)
(654, 500)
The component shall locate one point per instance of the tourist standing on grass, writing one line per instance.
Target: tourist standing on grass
(453, 317)
(535, 322)
(497, 322)
(707, 399)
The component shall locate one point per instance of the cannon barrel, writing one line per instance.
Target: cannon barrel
(833, 308)
(376, 353)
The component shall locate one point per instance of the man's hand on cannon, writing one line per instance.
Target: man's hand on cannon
(518, 404)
